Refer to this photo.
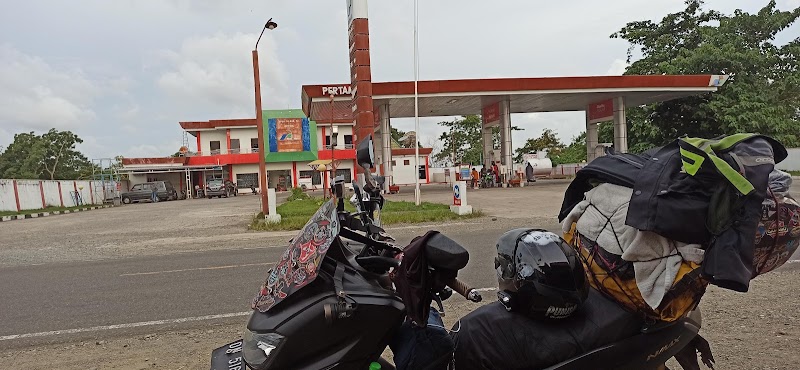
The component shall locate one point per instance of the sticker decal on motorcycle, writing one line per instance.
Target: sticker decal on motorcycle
(300, 264)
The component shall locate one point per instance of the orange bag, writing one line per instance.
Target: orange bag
(682, 297)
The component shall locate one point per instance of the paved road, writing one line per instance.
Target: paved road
(80, 295)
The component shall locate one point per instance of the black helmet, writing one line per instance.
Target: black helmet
(539, 274)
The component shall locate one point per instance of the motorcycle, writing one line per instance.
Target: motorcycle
(330, 302)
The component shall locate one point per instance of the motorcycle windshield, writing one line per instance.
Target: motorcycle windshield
(299, 265)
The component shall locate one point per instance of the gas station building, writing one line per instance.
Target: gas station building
(603, 98)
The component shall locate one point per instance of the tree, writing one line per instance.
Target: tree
(547, 141)
(762, 94)
(575, 152)
(463, 140)
(48, 157)
(397, 134)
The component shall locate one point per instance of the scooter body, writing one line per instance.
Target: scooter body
(649, 349)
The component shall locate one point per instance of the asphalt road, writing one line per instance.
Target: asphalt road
(79, 296)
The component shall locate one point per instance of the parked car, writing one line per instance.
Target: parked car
(140, 192)
(218, 188)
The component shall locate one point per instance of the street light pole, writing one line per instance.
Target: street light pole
(333, 168)
(262, 160)
(417, 194)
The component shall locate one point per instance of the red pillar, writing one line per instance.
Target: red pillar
(230, 166)
(427, 172)
(355, 167)
(361, 75)
(60, 196)
(41, 191)
(16, 195)
(294, 174)
(228, 139)
(198, 142)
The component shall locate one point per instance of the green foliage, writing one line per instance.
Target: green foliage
(547, 141)
(575, 152)
(558, 153)
(295, 214)
(463, 140)
(48, 157)
(298, 194)
(762, 94)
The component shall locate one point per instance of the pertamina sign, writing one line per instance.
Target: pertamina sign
(601, 111)
(337, 90)
(457, 195)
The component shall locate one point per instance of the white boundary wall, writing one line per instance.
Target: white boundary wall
(20, 195)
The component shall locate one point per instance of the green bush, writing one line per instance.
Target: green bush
(298, 194)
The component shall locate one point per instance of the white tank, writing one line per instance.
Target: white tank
(541, 166)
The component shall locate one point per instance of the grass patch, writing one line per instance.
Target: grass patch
(295, 214)
(794, 173)
(41, 210)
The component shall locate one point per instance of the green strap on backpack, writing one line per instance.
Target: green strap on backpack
(692, 161)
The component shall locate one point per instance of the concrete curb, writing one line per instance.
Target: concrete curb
(45, 214)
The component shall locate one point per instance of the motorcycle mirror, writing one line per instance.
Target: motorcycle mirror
(365, 154)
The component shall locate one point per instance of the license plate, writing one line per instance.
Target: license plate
(228, 357)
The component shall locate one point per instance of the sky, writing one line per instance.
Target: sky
(121, 74)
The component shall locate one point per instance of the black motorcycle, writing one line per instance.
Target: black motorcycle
(332, 300)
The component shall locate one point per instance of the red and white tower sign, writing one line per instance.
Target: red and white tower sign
(360, 72)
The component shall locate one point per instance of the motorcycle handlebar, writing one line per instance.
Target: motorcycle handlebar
(465, 290)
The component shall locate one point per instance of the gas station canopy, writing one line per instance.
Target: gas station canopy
(525, 95)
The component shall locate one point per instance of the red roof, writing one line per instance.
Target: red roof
(211, 124)
(543, 94)
(147, 161)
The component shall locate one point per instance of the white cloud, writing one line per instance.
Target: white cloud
(36, 96)
(217, 72)
(792, 4)
(163, 149)
(618, 67)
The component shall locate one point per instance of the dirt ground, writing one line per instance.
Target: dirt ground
(748, 331)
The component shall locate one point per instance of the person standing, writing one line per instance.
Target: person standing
(475, 177)
(154, 194)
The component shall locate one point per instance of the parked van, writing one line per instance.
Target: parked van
(140, 192)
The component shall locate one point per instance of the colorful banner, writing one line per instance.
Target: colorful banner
(287, 135)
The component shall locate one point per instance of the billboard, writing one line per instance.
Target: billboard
(288, 135)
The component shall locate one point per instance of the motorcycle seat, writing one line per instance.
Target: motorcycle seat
(445, 253)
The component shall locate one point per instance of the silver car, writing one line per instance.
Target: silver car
(217, 188)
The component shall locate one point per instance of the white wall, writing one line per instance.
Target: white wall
(29, 193)
(344, 129)
(244, 168)
(244, 135)
(8, 202)
(30, 196)
(206, 137)
(51, 197)
(405, 174)
(792, 162)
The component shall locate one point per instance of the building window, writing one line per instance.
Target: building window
(348, 141)
(406, 162)
(245, 180)
(254, 145)
(394, 163)
(315, 177)
(214, 147)
(234, 149)
(347, 173)
(422, 173)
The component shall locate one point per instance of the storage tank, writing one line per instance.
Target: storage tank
(542, 166)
